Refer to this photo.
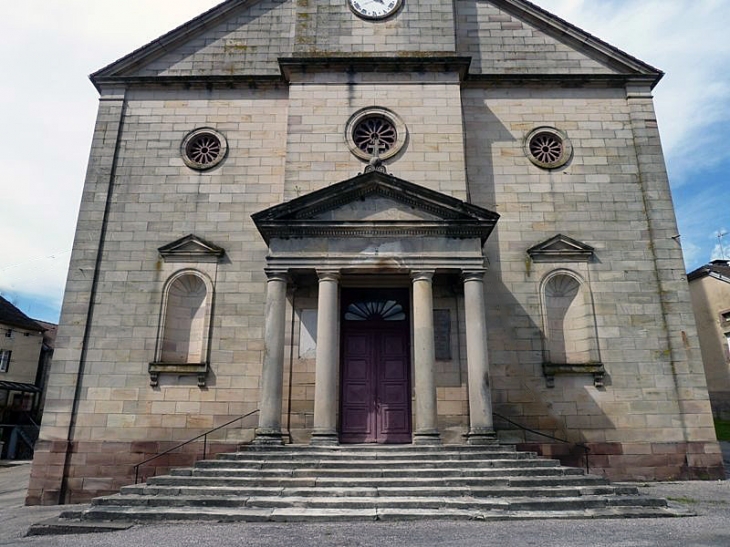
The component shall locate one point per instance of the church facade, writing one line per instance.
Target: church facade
(369, 221)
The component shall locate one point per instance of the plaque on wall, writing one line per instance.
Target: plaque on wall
(442, 334)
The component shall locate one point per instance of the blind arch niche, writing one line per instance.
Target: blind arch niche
(184, 329)
(570, 341)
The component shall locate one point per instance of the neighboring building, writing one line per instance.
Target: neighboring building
(376, 223)
(21, 358)
(709, 287)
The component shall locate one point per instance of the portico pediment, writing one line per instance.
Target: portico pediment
(378, 205)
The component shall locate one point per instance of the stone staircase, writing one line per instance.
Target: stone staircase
(365, 482)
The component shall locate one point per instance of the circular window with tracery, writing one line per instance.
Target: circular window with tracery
(204, 148)
(373, 134)
(548, 147)
(375, 131)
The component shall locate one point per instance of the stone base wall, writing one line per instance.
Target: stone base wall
(639, 461)
(102, 468)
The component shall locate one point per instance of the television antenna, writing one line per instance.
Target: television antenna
(720, 235)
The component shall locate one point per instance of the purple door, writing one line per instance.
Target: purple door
(375, 401)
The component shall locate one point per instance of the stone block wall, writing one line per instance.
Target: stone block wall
(429, 105)
(499, 42)
(155, 200)
(329, 27)
(653, 382)
(249, 41)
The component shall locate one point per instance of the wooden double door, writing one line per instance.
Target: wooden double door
(375, 401)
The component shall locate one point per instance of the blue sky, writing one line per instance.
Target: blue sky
(48, 107)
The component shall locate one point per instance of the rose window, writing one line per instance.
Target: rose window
(203, 149)
(375, 132)
(548, 148)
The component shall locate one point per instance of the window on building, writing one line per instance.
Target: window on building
(4, 360)
(725, 316)
(22, 401)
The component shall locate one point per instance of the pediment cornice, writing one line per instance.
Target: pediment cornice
(191, 248)
(303, 217)
(561, 248)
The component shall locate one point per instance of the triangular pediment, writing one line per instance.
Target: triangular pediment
(191, 248)
(375, 204)
(249, 38)
(561, 248)
(526, 39)
(234, 38)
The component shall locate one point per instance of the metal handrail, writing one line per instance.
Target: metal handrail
(205, 443)
(585, 448)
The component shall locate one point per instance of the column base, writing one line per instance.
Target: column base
(324, 439)
(481, 437)
(267, 437)
(427, 438)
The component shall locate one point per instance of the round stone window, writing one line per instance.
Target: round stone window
(372, 131)
(548, 148)
(204, 149)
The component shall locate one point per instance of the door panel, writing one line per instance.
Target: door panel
(375, 385)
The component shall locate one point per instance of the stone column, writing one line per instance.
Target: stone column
(325, 378)
(424, 357)
(481, 425)
(272, 374)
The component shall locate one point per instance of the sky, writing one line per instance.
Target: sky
(48, 108)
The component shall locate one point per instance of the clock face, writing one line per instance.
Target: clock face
(375, 9)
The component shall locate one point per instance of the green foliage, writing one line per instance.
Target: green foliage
(722, 428)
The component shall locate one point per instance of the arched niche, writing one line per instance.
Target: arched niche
(184, 329)
(570, 343)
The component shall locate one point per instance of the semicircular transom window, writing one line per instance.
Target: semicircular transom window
(548, 148)
(203, 149)
(375, 310)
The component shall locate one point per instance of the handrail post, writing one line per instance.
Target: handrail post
(205, 443)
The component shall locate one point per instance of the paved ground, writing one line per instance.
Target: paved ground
(710, 500)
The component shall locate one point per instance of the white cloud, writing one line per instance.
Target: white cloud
(47, 110)
(688, 40)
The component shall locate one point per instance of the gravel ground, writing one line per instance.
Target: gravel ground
(709, 499)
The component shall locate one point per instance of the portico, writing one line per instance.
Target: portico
(376, 225)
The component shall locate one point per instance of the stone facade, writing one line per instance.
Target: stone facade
(589, 337)
(709, 287)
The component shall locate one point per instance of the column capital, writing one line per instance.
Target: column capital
(277, 275)
(328, 275)
(422, 275)
(473, 275)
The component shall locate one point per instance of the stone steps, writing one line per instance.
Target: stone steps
(300, 483)
(412, 492)
(378, 502)
(355, 464)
